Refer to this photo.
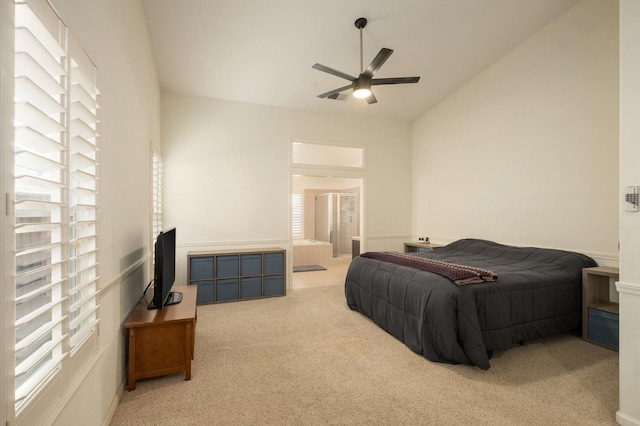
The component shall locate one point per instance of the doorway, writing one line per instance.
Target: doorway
(326, 221)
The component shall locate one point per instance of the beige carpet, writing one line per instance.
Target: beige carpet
(306, 359)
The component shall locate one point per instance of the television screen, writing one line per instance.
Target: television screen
(165, 271)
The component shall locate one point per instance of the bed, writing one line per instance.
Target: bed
(534, 292)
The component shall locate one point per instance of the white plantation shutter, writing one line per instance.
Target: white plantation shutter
(157, 171)
(55, 196)
(40, 207)
(296, 214)
(83, 195)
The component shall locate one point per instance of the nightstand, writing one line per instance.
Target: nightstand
(600, 323)
(419, 246)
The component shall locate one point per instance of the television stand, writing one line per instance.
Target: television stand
(173, 298)
(161, 341)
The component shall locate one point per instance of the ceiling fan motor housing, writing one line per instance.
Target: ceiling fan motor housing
(361, 23)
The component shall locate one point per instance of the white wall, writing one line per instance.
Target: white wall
(114, 33)
(527, 152)
(629, 285)
(228, 178)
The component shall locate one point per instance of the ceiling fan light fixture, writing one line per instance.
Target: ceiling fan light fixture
(361, 92)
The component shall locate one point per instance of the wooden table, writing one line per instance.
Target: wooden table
(161, 341)
(595, 295)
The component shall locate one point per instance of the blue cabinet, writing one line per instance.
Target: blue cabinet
(239, 275)
(273, 285)
(205, 292)
(202, 267)
(227, 266)
(250, 264)
(604, 328)
(250, 287)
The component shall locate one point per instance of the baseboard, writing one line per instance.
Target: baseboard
(114, 403)
(626, 420)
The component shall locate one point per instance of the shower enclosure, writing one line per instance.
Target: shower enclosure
(337, 220)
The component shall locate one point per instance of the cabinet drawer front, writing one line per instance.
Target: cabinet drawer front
(226, 290)
(274, 263)
(604, 328)
(273, 285)
(250, 287)
(200, 267)
(250, 264)
(227, 266)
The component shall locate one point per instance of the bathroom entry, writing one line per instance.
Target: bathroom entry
(326, 216)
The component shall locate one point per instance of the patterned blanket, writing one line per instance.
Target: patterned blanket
(459, 274)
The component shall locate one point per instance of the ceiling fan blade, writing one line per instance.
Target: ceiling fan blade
(377, 62)
(371, 99)
(330, 94)
(395, 80)
(331, 71)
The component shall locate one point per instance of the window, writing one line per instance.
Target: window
(296, 215)
(56, 196)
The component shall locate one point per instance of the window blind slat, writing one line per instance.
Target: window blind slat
(47, 247)
(79, 335)
(26, 228)
(36, 292)
(84, 98)
(31, 93)
(33, 161)
(32, 140)
(44, 24)
(37, 120)
(27, 42)
(26, 66)
(82, 301)
(85, 146)
(42, 352)
(78, 289)
(37, 312)
(82, 129)
(83, 162)
(36, 379)
(35, 335)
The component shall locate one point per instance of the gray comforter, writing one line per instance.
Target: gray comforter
(537, 293)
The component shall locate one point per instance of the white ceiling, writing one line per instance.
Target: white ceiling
(261, 51)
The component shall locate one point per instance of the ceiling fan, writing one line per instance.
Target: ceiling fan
(361, 85)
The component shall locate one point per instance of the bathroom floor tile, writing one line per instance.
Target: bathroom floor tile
(335, 274)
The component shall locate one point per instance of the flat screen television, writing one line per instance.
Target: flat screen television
(164, 271)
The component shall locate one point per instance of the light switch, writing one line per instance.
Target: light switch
(631, 199)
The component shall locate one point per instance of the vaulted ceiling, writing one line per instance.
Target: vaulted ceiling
(261, 51)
